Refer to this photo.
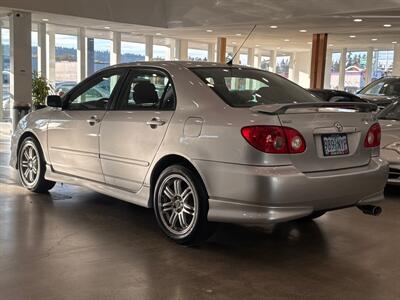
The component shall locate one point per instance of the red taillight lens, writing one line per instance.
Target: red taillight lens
(274, 139)
(373, 137)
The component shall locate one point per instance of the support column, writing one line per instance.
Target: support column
(181, 49)
(81, 55)
(250, 57)
(292, 62)
(272, 61)
(221, 50)
(90, 56)
(51, 57)
(396, 60)
(328, 67)
(368, 70)
(149, 48)
(211, 52)
(115, 57)
(41, 49)
(20, 64)
(318, 57)
(342, 68)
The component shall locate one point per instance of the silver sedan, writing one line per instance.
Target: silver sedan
(389, 118)
(202, 143)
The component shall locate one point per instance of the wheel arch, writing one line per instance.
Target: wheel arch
(169, 160)
(22, 138)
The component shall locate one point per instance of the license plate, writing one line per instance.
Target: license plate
(335, 144)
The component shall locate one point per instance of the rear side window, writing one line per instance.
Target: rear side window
(249, 87)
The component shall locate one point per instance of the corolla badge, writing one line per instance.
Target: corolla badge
(338, 126)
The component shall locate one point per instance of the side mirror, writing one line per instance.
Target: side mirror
(54, 101)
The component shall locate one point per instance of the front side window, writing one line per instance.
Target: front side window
(148, 90)
(97, 95)
(249, 87)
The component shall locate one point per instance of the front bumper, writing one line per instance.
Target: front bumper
(393, 158)
(251, 194)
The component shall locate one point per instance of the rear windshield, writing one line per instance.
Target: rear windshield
(249, 87)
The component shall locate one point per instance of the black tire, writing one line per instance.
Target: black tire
(314, 215)
(39, 184)
(199, 228)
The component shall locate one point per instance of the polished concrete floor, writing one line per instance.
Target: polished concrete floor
(78, 244)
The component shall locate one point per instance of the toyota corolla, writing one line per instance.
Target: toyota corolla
(202, 143)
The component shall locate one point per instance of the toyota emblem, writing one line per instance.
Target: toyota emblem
(338, 126)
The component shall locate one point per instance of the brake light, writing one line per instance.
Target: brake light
(373, 137)
(274, 139)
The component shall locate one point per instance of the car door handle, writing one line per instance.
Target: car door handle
(93, 120)
(155, 122)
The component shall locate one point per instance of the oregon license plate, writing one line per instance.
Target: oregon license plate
(335, 144)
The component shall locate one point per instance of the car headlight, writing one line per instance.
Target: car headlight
(394, 146)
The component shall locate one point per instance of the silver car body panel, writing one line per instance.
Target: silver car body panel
(391, 134)
(243, 184)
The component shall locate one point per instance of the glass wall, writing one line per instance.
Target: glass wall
(66, 68)
(334, 71)
(132, 52)
(5, 105)
(161, 52)
(243, 59)
(355, 74)
(197, 54)
(98, 54)
(265, 62)
(34, 42)
(382, 64)
(282, 65)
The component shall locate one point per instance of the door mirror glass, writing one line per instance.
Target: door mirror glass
(53, 101)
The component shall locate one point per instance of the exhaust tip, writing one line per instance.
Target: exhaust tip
(370, 210)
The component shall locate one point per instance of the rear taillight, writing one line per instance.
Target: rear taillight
(373, 137)
(274, 139)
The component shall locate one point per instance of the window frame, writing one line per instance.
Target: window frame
(89, 82)
(134, 71)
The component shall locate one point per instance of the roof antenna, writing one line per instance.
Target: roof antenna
(230, 62)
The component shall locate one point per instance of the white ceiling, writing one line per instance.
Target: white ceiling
(189, 19)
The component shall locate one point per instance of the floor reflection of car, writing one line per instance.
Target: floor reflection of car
(389, 118)
(6, 108)
(381, 92)
(203, 143)
(335, 95)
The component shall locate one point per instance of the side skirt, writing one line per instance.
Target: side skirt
(141, 198)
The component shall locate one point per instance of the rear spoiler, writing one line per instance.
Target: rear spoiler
(275, 109)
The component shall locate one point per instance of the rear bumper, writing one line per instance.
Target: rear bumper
(250, 194)
(393, 158)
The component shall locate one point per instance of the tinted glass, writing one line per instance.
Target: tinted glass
(96, 95)
(383, 87)
(148, 89)
(249, 87)
(391, 113)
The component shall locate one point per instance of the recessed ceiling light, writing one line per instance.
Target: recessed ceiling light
(374, 39)
(303, 30)
(45, 20)
(387, 25)
(286, 40)
(278, 48)
(310, 43)
(107, 27)
(234, 43)
(209, 30)
(238, 34)
(158, 33)
(331, 45)
(273, 27)
(394, 42)
(358, 20)
(352, 36)
(257, 45)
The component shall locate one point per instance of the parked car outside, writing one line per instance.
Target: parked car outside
(219, 144)
(381, 92)
(389, 118)
(335, 95)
